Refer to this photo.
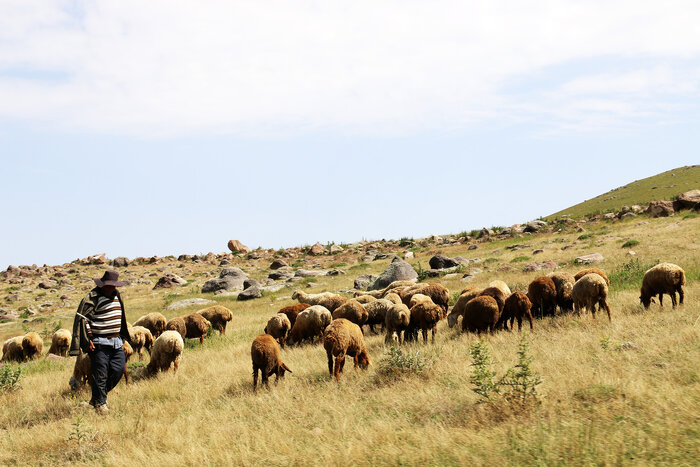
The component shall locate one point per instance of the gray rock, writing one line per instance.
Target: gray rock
(362, 282)
(460, 260)
(224, 262)
(396, 271)
(250, 283)
(689, 200)
(379, 256)
(48, 284)
(473, 247)
(273, 288)
(120, 262)
(250, 293)
(467, 278)
(589, 259)
(281, 274)
(442, 262)
(628, 215)
(278, 263)
(188, 302)
(409, 255)
(609, 216)
(532, 267)
(484, 233)
(367, 258)
(535, 226)
(537, 251)
(229, 279)
(309, 273)
(335, 272)
(170, 280)
(660, 209)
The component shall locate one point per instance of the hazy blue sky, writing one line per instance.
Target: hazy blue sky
(140, 128)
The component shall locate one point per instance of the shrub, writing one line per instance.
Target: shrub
(519, 259)
(521, 380)
(630, 243)
(483, 378)
(690, 216)
(9, 377)
(585, 236)
(490, 260)
(396, 362)
(405, 241)
(629, 275)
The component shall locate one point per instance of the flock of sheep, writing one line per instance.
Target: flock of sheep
(403, 309)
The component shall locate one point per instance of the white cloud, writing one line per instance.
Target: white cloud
(162, 67)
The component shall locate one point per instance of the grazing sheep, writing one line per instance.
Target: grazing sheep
(154, 322)
(341, 338)
(218, 316)
(12, 350)
(543, 295)
(60, 342)
(32, 346)
(564, 284)
(393, 298)
(516, 306)
(589, 290)
(480, 314)
(364, 299)
(278, 327)
(394, 287)
(329, 301)
(309, 324)
(425, 315)
(397, 320)
(177, 324)
(197, 326)
(265, 354)
(82, 372)
(583, 272)
(376, 312)
(437, 293)
(459, 306)
(664, 278)
(166, 351)
(141, 338)
(293, 310)
(352, 310)
(502, 286)
(496, 293)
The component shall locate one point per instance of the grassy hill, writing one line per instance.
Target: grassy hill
(620, 392)
(663, 186)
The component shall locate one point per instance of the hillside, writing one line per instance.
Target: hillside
(663, 186)
(625, 391)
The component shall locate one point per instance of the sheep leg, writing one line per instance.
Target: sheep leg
(265, 378)
(339, 361)
(330, 363)
(604, 304)
(282, 341)
(176, 363)
(425, 335)
(673, 299)
(661, 300)
(433, 336)
(255, 379)
(201, 339)
(529, 317)
(680, 294)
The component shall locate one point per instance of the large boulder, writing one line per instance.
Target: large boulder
(281, 274)
(689, 200)
(535, 226)
(442, 262)
(237, 247)
(188, 302)
(229, 279)
(589, 259)
(317, 250)
(278, 263)
(398, 270)
(362, 282)
(250, 293)
(120, 262)
(169, 280)
(335, 249)
(660, 209)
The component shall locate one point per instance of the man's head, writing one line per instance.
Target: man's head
(109, 282)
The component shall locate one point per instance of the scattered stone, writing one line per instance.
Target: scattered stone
(450, 275)
(8, 315)
(48, 284)
(589, 259)
(628, 346)
(65, 297)
(250, 293)
(535, 226)
(54, 358)
(473, 247)
(255, 254)
(484, 232)
(396, 271)
(224, 262)
(170, 280)
(362, 282)
(273, 288)
(532, 267)
(442, 262)
(278, 263)
(434, 238)
(660, 209)
(237, 247)
(689, 200)
(549, 265)
(467, 278)
(537, 251)
(281, 274)
(379, 256)
(248, 283)
(631, 253)
(335, 272)
(97, 259)
(120, 262)
(367, 258)
(336, 249)
(317, 250)
(309, 273)
(609, 215)
(628, 215)
(505, 268)
(408, 255)
(229, 279)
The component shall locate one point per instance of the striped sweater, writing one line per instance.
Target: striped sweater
(107, 318)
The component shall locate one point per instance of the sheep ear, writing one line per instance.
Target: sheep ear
(286, 368)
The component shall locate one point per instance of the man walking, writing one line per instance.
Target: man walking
(100, 330)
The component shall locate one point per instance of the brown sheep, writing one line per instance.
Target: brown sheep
(543, 295)
(502, 286)
(516, 306)
(278, 327)
(141, 338)
(588, 291)
(197, 326)
(82, 371)
(60, 342)
(497, 294)
(154, 322)
(397, 320)
(480, 314)
(328, 300)
(376, 312)
(12, 350)
(218, 316)
(393, 298)
(166, 351)
(425, 315)
(310, 323)
(352, 310)
(583, 272)
(564, 284)
(293, 310)
(364, 299)
(458, 309)
(177, 324)
(32, 346)
(437, 293)
(265, 354)
(341, 338)
(664, 278)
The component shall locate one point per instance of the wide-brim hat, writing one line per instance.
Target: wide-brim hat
(109, 278)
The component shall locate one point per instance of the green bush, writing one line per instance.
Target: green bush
(9, 377)
(519, 259)
(396, 362)
(630, 243)
(690, 216)
(483, 378)
(585, 236)
(629, 275)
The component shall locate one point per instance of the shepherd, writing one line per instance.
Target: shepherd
(100, 330)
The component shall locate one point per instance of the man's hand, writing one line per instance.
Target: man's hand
(91, 346)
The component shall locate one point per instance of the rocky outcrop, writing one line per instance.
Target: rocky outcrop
(398, 270)
(229, 279)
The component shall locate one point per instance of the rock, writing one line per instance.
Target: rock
(441, 262)
(120, 262)
(317, 250)
(367, 258)
(660, 209)
(229, 279)
(467, 278)
(690, 200)
(484, 232)
(362, 282)
(549, 265)
(537, 251)
(628, 215)
(460, 260)
(64, 297)
(248, 283)
(631, 253)
(609, 216)
(281, 274)
(273, 288)
(237, 247)
(8, 315)
(505, 268)
(335, 272)
(408, 255)
(278, 263)
(309, 273)
(336, 249)
(48, 284)
(396, 271)
(628, 346)
(535, 226)
(434, 238)
(169, 280)
(54, 358)
(379, 256)
(475, 271)
(97, 259)
(255, 254)
(224, 262)
(473, 247)
(532, 267)
(250, 293)
(13, 269)
(184, 258)
(588, 259)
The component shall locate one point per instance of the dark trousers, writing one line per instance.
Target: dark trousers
(107, 364)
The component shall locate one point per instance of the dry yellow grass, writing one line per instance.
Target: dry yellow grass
(600, 404)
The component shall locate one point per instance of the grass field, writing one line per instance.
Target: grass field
(620, 392)
(663, 186)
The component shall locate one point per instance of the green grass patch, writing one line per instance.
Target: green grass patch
(520, 259)
(596, 393)
(490, 260)
(692, 215)
(585, 236)
(630, 243)
(629, 275)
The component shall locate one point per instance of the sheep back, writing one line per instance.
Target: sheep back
(502, 286)
(309, 324)
(177, 324)
(293, 310)
(218, 316)
(497, 294)
(664, 278)
(197, 326)
(564, 284)
(12, 350)
(278, 327)
(480, 314)
(589, 290)
(154, 322)
(353, 311)
(167, 349)
(60, 342)
(543, 295)
(583, 272)
(32, 346)
(517, 305)
(265, 354)
(341, 338)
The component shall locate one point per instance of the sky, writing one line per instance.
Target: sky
(138, 128)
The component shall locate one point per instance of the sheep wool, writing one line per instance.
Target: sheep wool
(265, 354)
(12, 350)
(197, 326)
(398, 318)
(177, 324)
(480, 315)
(460, 305)
(583, 272)
(564, 284)
(218, 316)
(589, 290)
(32, 346)
(60, 342)
(141, 338)
(166, 352)
(341, 338)
(516, 306)
(278, 327)
(309, 324)
(154, 322)
(425, 315)
(543, 295)
(352, 310)
(664, 278)
(293, 310)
